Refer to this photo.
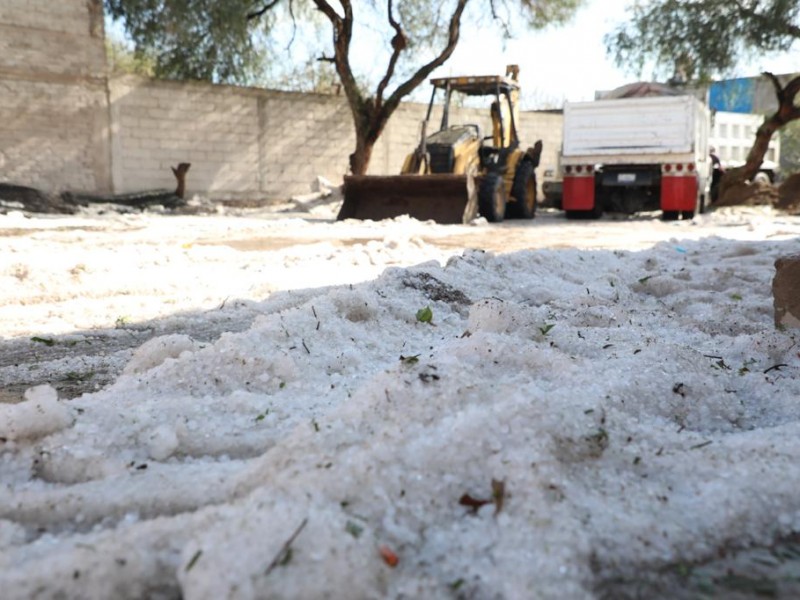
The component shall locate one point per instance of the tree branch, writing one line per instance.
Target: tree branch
(399, 43)
(294, 24)
(790, 110)
(787, 28)
(775, 84)
(412, 82)
(791, 89)
(496, 17)
(257, 13)
(342, 36)
(787, 110)
(328, 11)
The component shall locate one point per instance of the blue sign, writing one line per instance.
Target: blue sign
(733, 95)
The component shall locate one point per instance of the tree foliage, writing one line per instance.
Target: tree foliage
(121, 60)
(193, 39)
(702, 38)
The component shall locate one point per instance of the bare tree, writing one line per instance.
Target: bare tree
(371, 113)
(787, 112)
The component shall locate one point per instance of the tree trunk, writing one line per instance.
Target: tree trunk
(370, 114)
(180, 174)
(359, 160)
(787, 112)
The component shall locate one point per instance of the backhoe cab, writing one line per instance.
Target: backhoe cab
(456, 172)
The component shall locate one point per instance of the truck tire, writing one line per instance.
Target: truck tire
(583, 215)
(524, 192)
(492, 198)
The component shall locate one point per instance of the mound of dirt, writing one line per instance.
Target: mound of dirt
(789, 194)
(756, 193)
(18, 197)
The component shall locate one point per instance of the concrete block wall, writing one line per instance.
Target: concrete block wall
(54, 117)
(63, 38)
(303, 136)
(257, 144)
(242, 143)
(548, 127)
(158, 124)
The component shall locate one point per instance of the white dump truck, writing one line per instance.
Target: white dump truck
(636, 154)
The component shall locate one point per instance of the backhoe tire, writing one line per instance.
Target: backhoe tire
(524, 192)
(492, 198)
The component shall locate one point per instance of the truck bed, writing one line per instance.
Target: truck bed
(636, 130)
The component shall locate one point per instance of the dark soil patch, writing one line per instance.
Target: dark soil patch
(789, 194)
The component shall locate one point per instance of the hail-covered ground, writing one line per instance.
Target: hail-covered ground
(282, 406)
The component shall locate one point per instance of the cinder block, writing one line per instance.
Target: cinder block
(786, 291)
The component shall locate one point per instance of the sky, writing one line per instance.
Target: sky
(560, 419)
(556, 64)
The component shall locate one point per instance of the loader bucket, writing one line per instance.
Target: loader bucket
(444, 198)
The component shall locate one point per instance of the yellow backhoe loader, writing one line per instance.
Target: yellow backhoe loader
(456, 172)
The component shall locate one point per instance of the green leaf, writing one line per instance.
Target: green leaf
(75, 376)
(410, 360)
(736, 297)
(353, 529)
(286, 559)
(45, 341)
(425, 315)
(644, 279)
(194, 560)
(547, 327)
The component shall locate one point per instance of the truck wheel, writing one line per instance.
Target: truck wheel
(492, 198)
(582, 215)
(524, 193)
(669, 215)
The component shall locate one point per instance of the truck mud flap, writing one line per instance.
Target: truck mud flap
(445, 198)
